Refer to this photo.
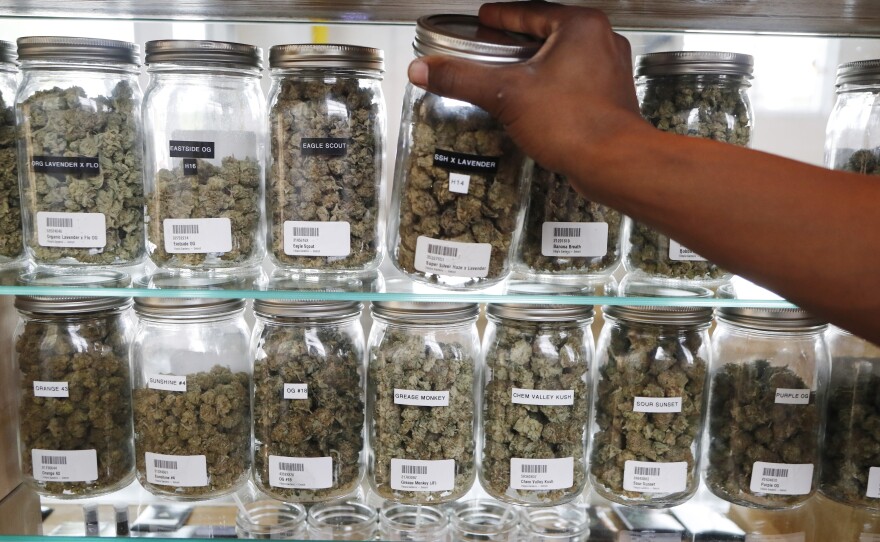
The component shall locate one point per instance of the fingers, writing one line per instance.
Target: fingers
(540, 19)
(460, 79)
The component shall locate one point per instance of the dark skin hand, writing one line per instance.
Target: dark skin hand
(810, 234)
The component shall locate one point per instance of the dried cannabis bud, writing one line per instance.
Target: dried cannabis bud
(487, 210)
(10, 207)
(328, 423)
(531, 356)
(69, 123)
(230, 191)
(211, 418)
(91, 356)
(709, 107)
(747, 425)
(646, 362)
(409, 362)
(853, 426)
(326, 167)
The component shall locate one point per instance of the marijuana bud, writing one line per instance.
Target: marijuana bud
(10, 205)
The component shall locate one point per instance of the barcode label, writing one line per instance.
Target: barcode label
(792, 537)
(869, 537)
(418, 475)
(65, 465)
(166, 382)
(421, 398)
(304, 238)
(452, 258)
(177, 470)
(655, 477)
(300, 472)
(679, 253)
(873, 491)
(541, 474)
(574, 239)
(197, 235)
(44, 388)
(667, 405)
(790, 396)
(781, 478)
(77, 230)
(520, 396)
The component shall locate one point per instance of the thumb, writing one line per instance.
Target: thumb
(468, 81)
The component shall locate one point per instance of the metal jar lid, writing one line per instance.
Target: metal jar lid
(53, 304)
(861, 72)
(203, 53)
(7, 52)
(415, 312)
(661, 315)
(325, 55)
(463, 36)
(307, 309)
(694, 63)
(187, 307)
(77, 49)
(771, 319)
(541, 312)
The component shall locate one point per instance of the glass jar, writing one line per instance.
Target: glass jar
(851, 454)
(457, 204)
(80, 148)
(75, 430)
(347, 520)
(270, 520)
(649, 404)
(566, 523)
(851, 140)
(566, 234)
(327, 130)
(11, 248)
(421, 398)
(698, 94)
(192, 410)
(404, 522)
(483, 519)
(536, 402)
(768, 377)
(204, 116)
(309, 368)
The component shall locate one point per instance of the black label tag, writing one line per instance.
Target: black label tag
(191, 149)
(465, 163)
(79, 166)
(190, 167)
(323, 146)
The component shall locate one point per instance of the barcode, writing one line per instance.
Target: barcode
(183, 229)
(162, 464)
(413, 469)
(305, 232)
(534, 469)
(443, 251)
(52, 222)
(647, 471)
(292, 467)
(53, 460)
(775, 473)
(566, 232)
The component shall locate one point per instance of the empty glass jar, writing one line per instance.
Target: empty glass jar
(851, 141)
(10, 204)
(271, 520)
(565, 523)
(346, 520)
(404, 522)
(483, 519)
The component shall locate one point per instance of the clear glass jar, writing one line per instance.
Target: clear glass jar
(565, 523)
(698, 94)
(566, 234)
(457, 204)
(421, 397)
(204, 116)
(271, 520)
(793, 525)
(72, 353)
(309, 384)
(327, 130)
(80, 151)
(347, 520)
(483, 519)
(851, 454)
(11, 249)
(536, 402)
(851, 140)
(649, 404)
(769, 373)
(192, 409)
(405, 522)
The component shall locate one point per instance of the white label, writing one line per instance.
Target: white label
(781, 478)
(575, 239)
(50, 389)
(657, 404)
(177, 470)
(197, 235)
(648, 477)
(416, 475)
(80, 230)
(421, 398)
(300, 472)
(541, 474)
(788, 396)
(452, 258)
(317, 238)
(873, 483)
(166, 382)
(679, 253)
(459, 182)
(869, 537)
(793, 537)
(630, 536)
(296, 391)
(519, 396)
(65, 465)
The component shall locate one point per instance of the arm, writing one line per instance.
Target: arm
(807, 233)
